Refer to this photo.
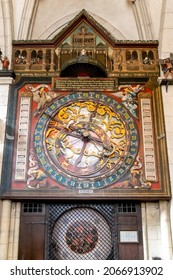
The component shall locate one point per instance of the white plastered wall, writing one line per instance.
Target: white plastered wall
(166, 47)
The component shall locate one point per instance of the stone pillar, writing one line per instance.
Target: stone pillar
(167, 251)
(152, 239)
(5, 80)
(9, 218)
(14, 231)
(9, 229)
(5, 228)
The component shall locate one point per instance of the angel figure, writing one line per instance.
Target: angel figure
(42, 95)
(128, 95)
(40, 98)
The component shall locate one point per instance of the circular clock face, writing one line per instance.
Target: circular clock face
(86, 140)
(82, 233)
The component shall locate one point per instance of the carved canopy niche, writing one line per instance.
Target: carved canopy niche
(85, 41)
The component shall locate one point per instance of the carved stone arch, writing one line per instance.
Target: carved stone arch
(56, 27)
(143, 19)
(27, 19)
(7, 27)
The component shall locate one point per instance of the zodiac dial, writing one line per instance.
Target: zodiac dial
(89, 140)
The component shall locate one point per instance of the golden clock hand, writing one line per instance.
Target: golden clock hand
(70, 133)
(93, 114)
(85, 135)
(63, 126)
(100, 141)
(108, 150)
(78, 160)
(52, 118)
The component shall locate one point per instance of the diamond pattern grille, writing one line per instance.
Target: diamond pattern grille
(82, 232)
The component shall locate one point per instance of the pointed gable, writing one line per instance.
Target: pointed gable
(85, 24)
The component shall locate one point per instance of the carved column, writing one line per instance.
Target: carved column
(28, 59)
(106, 54)
(14, 231)
(140, 60)
(9, 233)
(5, 228)
(124, 62)
(52, 64)
(155, 58)
(44, 60)
(59, 62)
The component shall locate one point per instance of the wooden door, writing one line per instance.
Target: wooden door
(130, 245)
(32, 232)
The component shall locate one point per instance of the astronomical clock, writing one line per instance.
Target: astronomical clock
(89, 141)
(96, 144)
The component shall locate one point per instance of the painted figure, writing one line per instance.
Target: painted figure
(42, 95)
(167, 68)
(5, 63)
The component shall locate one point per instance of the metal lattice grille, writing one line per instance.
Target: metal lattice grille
(81, 232)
